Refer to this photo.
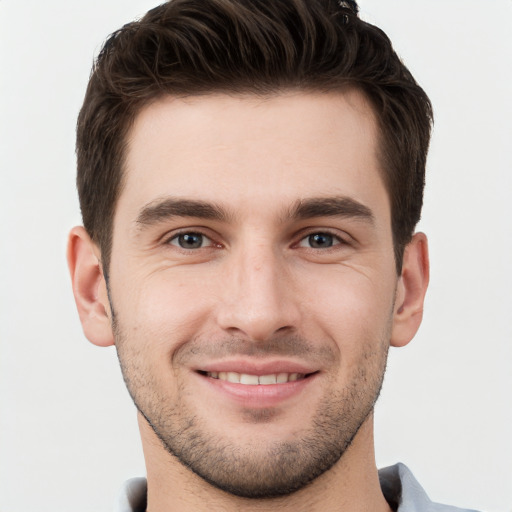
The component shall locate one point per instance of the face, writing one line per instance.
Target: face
(252, 282)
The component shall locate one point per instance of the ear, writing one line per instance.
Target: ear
(89, 287)
(411, 289)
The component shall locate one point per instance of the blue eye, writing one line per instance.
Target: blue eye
(319, 241)
(190, 240)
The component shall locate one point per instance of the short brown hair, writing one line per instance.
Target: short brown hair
(194, 47)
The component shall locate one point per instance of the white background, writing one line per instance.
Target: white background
(68, 433)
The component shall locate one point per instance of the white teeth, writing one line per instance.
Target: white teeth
(254, 380)
(233, 377)
(268, 379)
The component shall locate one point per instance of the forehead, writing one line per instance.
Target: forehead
(241, 151)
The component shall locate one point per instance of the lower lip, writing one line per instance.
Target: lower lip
(258, 396)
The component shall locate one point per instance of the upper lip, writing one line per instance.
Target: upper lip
(255, 367)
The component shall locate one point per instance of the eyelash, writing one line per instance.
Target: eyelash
(176, 237)
(337, 240)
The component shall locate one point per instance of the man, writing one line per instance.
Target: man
(250, 174)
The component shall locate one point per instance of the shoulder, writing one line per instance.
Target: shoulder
(132, 496)
(405, 494)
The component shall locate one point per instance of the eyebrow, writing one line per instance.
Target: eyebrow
(331, 207)
(170, 207)
(165, 209)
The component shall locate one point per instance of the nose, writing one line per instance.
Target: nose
(259, 299)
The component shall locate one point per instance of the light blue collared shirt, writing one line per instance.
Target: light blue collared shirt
(400, 488)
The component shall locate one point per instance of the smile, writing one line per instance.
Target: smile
(257, 388)
(255, 380)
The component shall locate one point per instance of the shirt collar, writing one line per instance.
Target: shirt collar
(401, 490)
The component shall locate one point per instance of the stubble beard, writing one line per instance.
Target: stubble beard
(278, 468)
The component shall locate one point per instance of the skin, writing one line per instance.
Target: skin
(257, 293)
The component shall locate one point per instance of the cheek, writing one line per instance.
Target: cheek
(354, 309)
(164, 309)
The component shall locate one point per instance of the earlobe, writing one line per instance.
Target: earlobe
(411, 289)
(89, 287)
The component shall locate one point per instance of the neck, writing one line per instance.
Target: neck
(351, 485)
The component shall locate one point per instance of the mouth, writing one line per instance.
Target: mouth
(257, 380)
(257, 386)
